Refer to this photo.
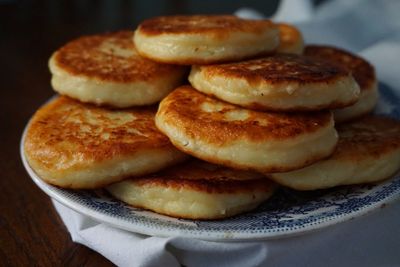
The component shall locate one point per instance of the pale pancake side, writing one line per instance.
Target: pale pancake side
(368, 151)
(291, 39)
(195, 190)
(363, 72)
(106, 70)
(365, 105)
(229, 135)
(75, 145)
(283, 82)
(204, 39)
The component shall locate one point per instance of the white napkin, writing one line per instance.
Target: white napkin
(366, 26)
(372, 240)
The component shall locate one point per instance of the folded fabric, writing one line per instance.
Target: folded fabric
(372, 240)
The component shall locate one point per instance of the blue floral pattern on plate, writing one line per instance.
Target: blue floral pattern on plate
(288, 212)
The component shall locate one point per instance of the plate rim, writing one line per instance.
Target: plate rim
(212, 235)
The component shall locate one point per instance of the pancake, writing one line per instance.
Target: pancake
(106, 70)
(232, 136)
(196, 190)
(291, 39)
(283, 82)
(204, 39)
(76, 145)
(363, 73)
(368, 151)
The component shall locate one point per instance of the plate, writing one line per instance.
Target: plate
(287, 213)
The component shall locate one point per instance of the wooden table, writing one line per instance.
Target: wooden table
(31, 233)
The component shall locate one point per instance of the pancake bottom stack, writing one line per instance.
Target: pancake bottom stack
(196, 190)
(368, 151)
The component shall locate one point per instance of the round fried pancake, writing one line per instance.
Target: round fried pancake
(363, 73)
(204, 39)
(106, 69)
(76, 145)
(232, 136)
(291, 39)
(368, 151)
(196, 190)
(283, 82)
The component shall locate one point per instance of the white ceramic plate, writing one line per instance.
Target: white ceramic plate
(287, 213)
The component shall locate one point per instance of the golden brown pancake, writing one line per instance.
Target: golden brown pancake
(291, 39)
(283, 82)
(76, 145)
(363, 73)
(368, 151)
(232, 136)
(106, 69)
(196, 190)
(361, 69)
(204, 39)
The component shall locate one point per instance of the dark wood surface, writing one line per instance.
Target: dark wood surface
(31, 233)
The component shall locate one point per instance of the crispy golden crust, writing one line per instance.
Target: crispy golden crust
(184, 106)
(201, 176)
(280, 68)
(361, 69)
(371, 136)
(291, 39)
(219, 26)
(110, 57)
(67, 134)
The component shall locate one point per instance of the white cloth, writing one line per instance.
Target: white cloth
(366, 26)
(371, 240)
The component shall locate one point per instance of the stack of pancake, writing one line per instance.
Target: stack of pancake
(260, 110)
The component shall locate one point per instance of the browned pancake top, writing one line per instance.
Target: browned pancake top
(110, 57)
(289, 35)
(371, 136)
(66, 132)
(362, 71)
(201, 176)
(211, 119)
(216, 25)
(280, 68)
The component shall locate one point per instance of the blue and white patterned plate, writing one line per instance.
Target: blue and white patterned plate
(288, 212)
